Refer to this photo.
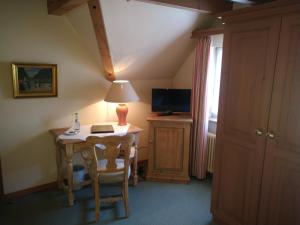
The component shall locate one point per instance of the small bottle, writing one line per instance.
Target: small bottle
(76, 123)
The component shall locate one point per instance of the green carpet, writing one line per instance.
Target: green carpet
(151, 203)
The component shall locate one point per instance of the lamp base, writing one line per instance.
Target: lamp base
(122, 111)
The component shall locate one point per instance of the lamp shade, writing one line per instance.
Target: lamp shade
(121, 91)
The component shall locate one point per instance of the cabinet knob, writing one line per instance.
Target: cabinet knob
(259, 132)
(270, 135)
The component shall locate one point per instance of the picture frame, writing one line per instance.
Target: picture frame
(34, 80)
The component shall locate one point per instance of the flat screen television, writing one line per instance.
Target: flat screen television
(171, 100)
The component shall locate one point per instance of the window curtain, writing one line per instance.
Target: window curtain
(200, 112)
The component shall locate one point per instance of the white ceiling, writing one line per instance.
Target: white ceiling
(146, 40)
(82, 24)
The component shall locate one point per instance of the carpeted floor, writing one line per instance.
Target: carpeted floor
(151, 203)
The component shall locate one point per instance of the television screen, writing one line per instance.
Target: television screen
(171, 100)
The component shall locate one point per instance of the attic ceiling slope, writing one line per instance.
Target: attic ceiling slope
(60, 7)
(144, 41)
(148, 41)
(82, 24)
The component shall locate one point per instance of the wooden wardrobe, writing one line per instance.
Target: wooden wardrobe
(257, 161)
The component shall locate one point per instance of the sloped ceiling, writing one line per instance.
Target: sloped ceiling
(82, 24)
(146, 40)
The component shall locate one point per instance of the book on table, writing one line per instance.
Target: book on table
(95, 129)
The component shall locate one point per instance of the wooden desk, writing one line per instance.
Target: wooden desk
(66, 146)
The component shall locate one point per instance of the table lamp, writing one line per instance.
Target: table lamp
(121, 92)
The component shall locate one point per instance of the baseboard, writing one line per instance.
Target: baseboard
(1, 181)
(22, 193)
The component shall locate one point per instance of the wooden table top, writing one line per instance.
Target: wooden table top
(58, 131)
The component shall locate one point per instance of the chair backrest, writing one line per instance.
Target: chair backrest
(114, 147)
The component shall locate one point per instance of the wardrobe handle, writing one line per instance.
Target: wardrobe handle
(259, 132)
(270, 135)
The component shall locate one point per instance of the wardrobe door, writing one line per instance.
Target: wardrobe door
(248, 66)
(280, 203)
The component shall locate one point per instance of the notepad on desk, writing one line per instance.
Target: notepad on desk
(95, 129)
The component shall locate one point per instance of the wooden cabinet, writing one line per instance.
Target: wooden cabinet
(257, 162)
(248, 67)
(169, 139)
(280, 203)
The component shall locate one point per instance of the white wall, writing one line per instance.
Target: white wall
(82, 24)
(139, 111)
(144, 89)
(29, 34)
(183, 78)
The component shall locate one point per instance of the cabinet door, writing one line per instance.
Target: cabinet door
(280, 203)
(169, 151)
(246, 85)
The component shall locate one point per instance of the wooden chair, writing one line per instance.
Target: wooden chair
(110, 166)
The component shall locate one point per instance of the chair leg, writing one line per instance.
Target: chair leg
(97, 199)
(125, 199)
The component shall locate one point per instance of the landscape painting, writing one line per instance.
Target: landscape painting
(34, 80)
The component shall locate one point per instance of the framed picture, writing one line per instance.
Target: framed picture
(34, 80)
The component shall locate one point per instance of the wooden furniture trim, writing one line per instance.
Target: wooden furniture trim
(110, 154)
(260, 11)
(172, 172)
(208, 6)
(280, 171)
(155, 153)
(66, 147)
(61, 7)
(58, 131)
(101, 36)
(168, 178)
(173, 118)
(233, 138)
(207, 32)
(281, 180)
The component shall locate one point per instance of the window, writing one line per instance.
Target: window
(214, 77)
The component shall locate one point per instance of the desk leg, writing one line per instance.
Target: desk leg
(69, 156)
(59, 166)
(135, 174)
(135, 160)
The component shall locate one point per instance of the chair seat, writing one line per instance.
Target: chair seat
(114, 177)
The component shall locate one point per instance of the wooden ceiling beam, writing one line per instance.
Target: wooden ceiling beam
(207, 32)
(99, 27)
(61, 7)
(209, 6)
